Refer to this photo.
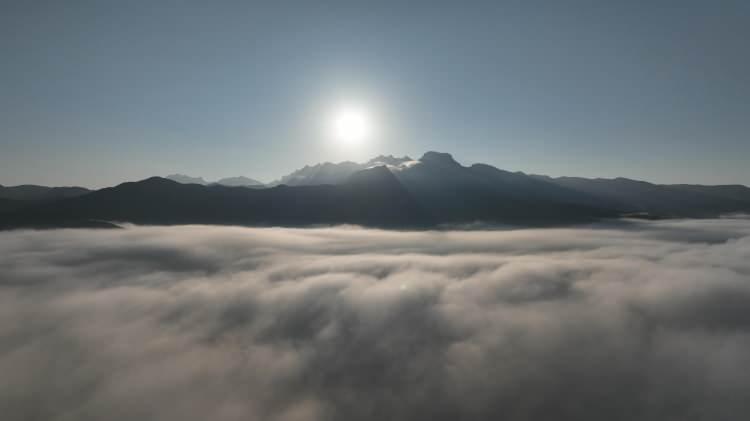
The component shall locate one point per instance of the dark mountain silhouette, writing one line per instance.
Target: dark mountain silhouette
(7, 205)
(19, 197)
(731, 191)
(635, 196)
(454, 193)
(29, 192)
(372, 197)
(383, 192)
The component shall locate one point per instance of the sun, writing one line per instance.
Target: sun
(351, 125)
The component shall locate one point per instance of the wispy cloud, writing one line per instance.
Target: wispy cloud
(638, 321)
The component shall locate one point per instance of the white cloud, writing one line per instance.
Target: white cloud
(647, 320)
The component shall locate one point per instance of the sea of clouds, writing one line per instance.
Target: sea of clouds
(628, 321)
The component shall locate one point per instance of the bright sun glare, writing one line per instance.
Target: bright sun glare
(351, 125)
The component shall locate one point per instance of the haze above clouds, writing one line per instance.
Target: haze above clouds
(641, 320)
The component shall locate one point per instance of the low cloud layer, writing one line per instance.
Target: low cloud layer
(647, 321)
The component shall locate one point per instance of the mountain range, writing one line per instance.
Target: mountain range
(386, 191)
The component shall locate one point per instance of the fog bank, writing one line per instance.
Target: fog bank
(641, 320)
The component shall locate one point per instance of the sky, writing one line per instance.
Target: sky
(95, 93)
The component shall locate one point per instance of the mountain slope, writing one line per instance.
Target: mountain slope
(20, 197)
(732, 191)
(451, 192)
(40, 193)
(661, 200)
(454, 193)
(7, 205)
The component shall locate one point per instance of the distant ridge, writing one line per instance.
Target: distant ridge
(681, 200)
(33, 192)
(330, 173)
(325, 173)
(240, 181)
(186, 179)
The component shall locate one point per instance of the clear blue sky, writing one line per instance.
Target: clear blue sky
(95, 93)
